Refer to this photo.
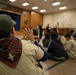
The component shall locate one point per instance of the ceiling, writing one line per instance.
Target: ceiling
(47, 5)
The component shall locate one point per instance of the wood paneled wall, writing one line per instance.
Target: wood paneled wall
(36, 19)
(60, 30)
(63, 30)
(25, 17)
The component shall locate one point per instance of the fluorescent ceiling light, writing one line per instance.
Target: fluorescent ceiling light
(34, 7)
(12, 0)
(56, 3)
(43, 10)
(25, 4)
(62, 8)
(45, 0)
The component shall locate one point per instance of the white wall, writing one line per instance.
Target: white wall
(66, 19)
(48, 19)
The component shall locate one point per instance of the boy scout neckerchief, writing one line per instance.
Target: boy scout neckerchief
(10, 51)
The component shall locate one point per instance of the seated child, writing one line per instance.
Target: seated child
(56, 49)
(70, 45)
(46, 40)
(63, 39)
